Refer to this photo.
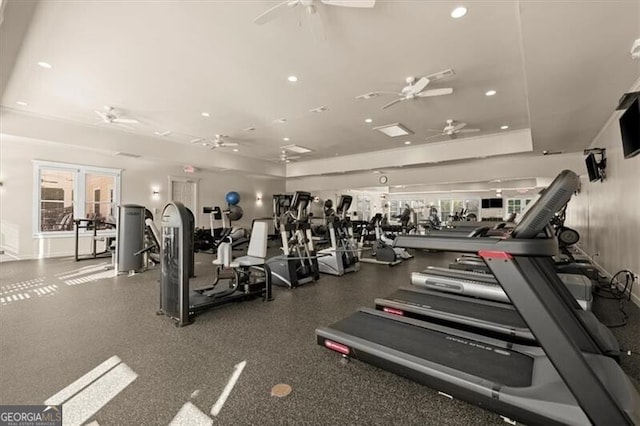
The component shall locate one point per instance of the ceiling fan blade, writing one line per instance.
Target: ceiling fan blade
(468, 131)
(435, 136)
(197, 140)
(317, 25)
(229, 144)
(102, 115)
(441, 74)
(350, 3)
(459, 126)
(374, 94)
(435, 92)
(434, 130)
(420, 85)
(125, 120)
(274, 12)
(393, 102)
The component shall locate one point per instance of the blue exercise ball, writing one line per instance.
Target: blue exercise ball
(232, 198)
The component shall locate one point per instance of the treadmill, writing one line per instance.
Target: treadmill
(485, 317)
(485, 286)
(566, 380)
(562, 264)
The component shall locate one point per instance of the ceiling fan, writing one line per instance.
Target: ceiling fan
(452, 130)
(110, 116)
(284, 158)
(415, 88)
(310, 6)
(219, 141)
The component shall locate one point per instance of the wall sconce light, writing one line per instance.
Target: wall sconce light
(258, 198)
(155, 192)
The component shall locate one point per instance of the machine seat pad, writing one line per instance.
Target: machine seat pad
(247, 261)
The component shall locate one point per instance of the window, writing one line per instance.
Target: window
(65, 192)
(362, 207)
(397, 207)
(517, 205)
(448, 208)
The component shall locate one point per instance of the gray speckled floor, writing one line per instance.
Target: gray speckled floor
(51, 339)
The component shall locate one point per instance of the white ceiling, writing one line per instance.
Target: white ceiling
(558, 67)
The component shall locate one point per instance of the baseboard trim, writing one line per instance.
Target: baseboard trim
(8, 257)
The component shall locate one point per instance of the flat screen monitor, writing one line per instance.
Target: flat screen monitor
(592, 168)
(630, 130)
(492, 203)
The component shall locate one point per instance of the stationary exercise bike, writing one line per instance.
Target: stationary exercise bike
(382, 250)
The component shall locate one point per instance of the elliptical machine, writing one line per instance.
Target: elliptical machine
(342, 256)
(298, 263)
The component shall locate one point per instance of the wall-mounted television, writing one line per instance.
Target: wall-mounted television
(592, 167)
(630, 130)
(492, 203)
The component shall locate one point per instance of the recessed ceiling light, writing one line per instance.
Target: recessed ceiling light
(235, 150)
(407, 142)
(292, 78)
(280, 120)
(319, 109)
(21, 103)
(368, 120)
(205, 114)
(490, 92)
(249, 129)
(165, 133)
(45, 65)
(505, 127)
(286, 139)
(459, 12)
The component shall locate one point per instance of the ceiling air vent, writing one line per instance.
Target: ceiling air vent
(394, 130)
(296, 148)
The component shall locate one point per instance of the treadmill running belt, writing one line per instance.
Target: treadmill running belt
(501, 315)
(492, 363)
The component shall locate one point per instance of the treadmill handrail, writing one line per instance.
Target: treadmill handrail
(521, 247)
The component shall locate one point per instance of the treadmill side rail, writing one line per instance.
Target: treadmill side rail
(535, 247)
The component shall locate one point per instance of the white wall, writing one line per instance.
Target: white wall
(607, 214)
(138, 178)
